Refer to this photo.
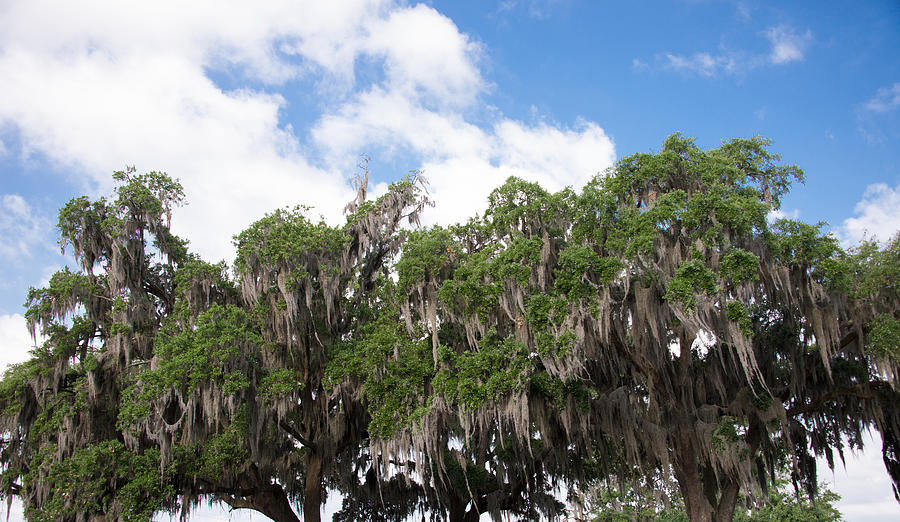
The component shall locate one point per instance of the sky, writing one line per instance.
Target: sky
(271, 104)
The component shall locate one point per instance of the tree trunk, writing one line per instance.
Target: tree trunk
(700, 500)
(312, 498)
(271, 502)
(687, 473)
(696, 506)
(727, 501)
(274, 504)
(457, 510)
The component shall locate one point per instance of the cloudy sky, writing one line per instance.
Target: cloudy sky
(257, 106)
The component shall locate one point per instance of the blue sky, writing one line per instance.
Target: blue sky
(256, 107)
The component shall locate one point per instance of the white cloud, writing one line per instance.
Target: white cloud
(102, 85)
(877, 216)
(461, 161)
(863, 484)
(742, 11)
(874, 117)
(21, 228)
(787, 44)
(15, 340)
(539, 9)
(780, 213)
(425, 54)
(885, 100)
(704, 64)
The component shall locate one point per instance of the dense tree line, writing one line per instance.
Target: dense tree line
(655, 328)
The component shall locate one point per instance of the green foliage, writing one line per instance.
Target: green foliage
(884, 337)
(214, 351)
(691, 278)
(738, 266)
(729, 431)
(783, 505)
(736, 311)
(394, 370)
(580, 269)
(151, 193)
(516, 261)
(105, 479)
(868, 271)
(497, 367)
(229, 387)
(195, 274)
(66, 290)
(286, 236)
(800, 244)
(517, 205)
(221, 454)
(464, 477)
(279, 383)
(545, 316)
(472, 290)
(425, 253)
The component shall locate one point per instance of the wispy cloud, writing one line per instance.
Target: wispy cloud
(539, 9)
(21, 228)
(885, 100)
(704, 64)
(786, 45)
(742, 11)
(876, 117)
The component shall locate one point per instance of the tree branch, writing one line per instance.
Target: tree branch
(294, 433)
(860, 391)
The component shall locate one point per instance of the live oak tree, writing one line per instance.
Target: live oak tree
(653, 326)
(657, 322)
(163, 381)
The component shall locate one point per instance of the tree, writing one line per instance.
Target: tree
(609, 502)
(655, 322)
(653, 327)
(163, 381)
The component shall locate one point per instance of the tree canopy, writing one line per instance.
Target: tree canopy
(656, 327)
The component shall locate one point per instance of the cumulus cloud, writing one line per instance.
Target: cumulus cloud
(102, 85)
(866, 494)
(426, 55)
(21, 228)
(877, 216)
(781, 213)
(15, 340)
(464, 162)
(787, 44)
